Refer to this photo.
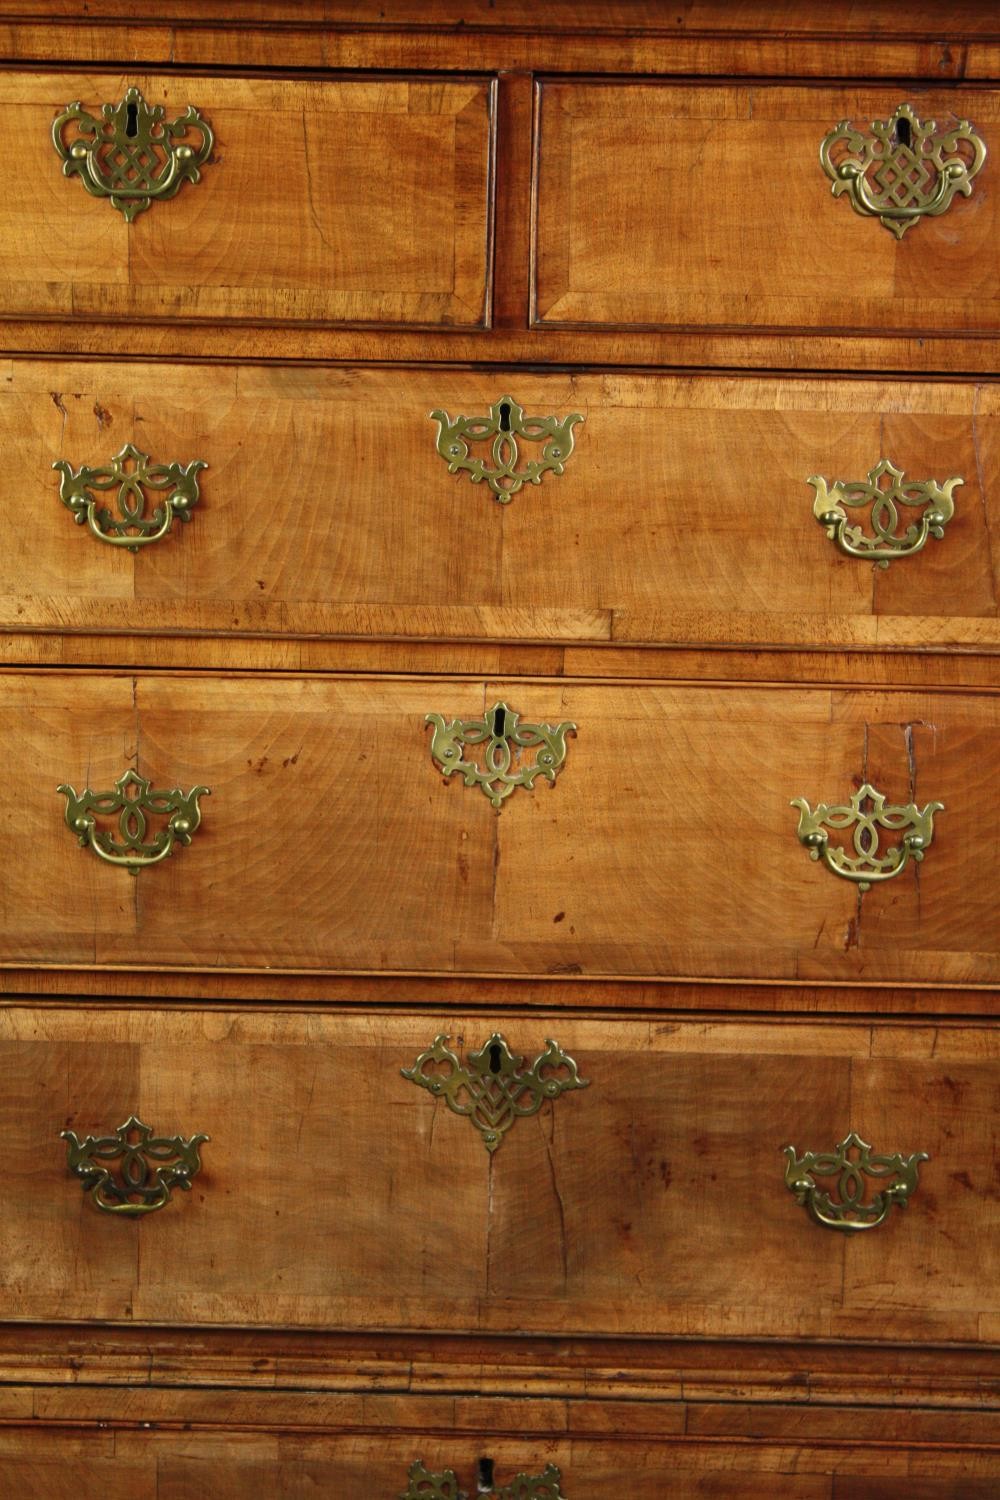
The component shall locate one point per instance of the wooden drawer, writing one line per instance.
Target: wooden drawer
(348, 200)
(370, 1205)
(298, 1446)
(685, 512)
(713, 210)
(667, 846)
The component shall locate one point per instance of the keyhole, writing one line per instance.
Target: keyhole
(504, 416)
(495, 1057)
(484, 1476)
(904, 135)
(131, 120)
(499, 721)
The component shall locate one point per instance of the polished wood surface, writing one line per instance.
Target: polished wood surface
(603, 1448)
(411, 208)
(347, 201)
(684, 514)
(666, 848)
(318, 1144)
(663, 251)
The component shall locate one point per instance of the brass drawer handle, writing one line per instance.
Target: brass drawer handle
(849, 1211)
(132, 798)
(886, 544)
(503, 736)
(905, 169)
(131, 154)
(505, 423)
(132, 474)
(867, 813)
(424, 1485)
(492, 1089)
(149, 1166)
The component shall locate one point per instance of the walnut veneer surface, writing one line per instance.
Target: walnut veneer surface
(611, 210)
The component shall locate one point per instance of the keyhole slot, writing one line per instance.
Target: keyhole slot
(904, 135)
(504, 416)
(499, 723)
(484, 1475)
(496, 1057)
(131, 120)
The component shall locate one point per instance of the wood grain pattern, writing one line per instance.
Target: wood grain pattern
(665, 849)
(780, 1375)
(341, 201)
(326, 510)
(715, 156)
(542, 346)
(45, 1463)
(794, 40)
(348, 1180)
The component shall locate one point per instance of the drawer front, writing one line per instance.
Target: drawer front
(667, 846)
(686, 511)
(336, 201)
(651, 1201)
(714, 211)
(606, 1445)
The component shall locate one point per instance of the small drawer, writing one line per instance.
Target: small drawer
(715, 212)
(336, 1192)
(342, 201)
(676, 510)
(353, 826)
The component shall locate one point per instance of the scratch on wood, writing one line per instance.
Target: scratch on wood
(555, 1188)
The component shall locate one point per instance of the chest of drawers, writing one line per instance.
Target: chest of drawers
(500, 564)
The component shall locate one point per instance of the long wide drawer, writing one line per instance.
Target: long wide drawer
(637, 830)
(81, 1444)
(636, 1182)
(347, 200)
(681, 509)
(717, 212)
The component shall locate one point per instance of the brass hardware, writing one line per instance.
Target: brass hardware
(424, 1485)
(133, 474)
(133, 798)
(850, 1212)
(492, 1089)
(131, 154)
(150, 1166)
(503, 735)
(905, 169)
(866, 866)
(505, 424)
(886, 544)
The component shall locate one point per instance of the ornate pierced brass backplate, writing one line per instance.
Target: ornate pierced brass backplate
(424, 1485)
(503, 471)
(851, 1163)
(149, 1166)
(132, 799)
(905, 169)
(131, 154)
(867, 812)
(132, 475)
(492, 1089)
(887, 543)
(503, 737)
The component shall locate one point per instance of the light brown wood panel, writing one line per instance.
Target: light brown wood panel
(713, 210)
(369, 1205)
(667, 848)
(684, 515)
(342, 200)
(46, 1463)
